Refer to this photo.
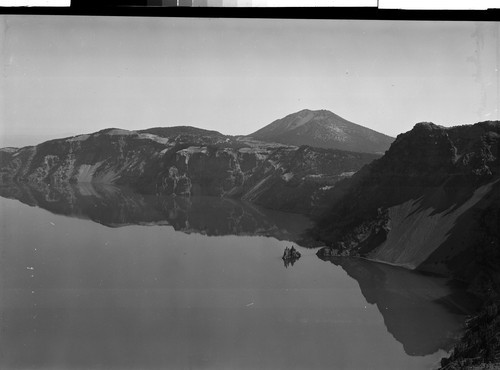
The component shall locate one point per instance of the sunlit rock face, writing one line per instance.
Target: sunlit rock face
(430, 203)
(188, 161)
(323, 129)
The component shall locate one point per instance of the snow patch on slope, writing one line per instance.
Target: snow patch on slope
(193, 150)
(120, 132)
(158, 139)
(78, 138)
(347, 174)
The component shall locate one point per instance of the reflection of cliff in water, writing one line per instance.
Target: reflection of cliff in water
(116, 206)
(420, 311)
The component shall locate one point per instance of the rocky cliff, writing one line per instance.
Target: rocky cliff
(187, 161)
(323, 129)
(431, 203)
(423, 204)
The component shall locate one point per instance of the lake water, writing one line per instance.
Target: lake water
(102, 278)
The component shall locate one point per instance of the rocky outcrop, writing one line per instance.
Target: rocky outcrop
(431, 203)
(323, 129)
(421, 205)
(187, 161)
(479, 348)
(290, 256)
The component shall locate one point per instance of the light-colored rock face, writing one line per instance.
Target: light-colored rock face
(187, 163)
(417, 231)
(120, 132)
(8, 150)
(78, 138)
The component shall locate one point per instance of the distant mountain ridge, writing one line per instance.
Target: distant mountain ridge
(185, 160)
(318, 128)
(180, 130)
(323, 129)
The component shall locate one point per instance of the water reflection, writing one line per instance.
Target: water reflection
(117, 206)
(289, 262)
(421, 312)
(74, 294)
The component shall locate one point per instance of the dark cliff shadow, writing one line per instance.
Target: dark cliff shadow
(424, 313)
(437, 170)
(117, 206)
(474, 255)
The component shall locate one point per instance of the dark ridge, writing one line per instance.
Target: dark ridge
(180, 130)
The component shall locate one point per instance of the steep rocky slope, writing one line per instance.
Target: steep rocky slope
(432, 203)
(423, 204)
(184, 161)
(323, 129)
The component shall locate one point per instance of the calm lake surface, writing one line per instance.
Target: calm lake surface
(101, 278)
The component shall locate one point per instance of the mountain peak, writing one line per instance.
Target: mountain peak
(315, 112)
(325, 129)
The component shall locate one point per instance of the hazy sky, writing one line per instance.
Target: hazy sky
(68, 75)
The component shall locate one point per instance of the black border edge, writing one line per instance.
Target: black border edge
(82, 8)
